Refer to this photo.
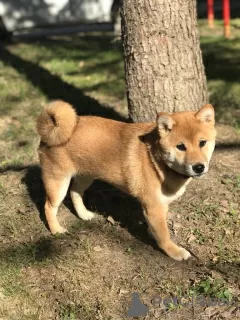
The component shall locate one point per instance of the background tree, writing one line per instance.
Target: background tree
(163, 61)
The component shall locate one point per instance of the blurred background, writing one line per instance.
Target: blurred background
(24, 15)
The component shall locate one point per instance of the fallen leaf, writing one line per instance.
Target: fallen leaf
(228, 314)
(224, 203)
(176, 227)
(123, 291)
(228, 231)
(21, 210)
(111, 220)
(216, 275)
(97, 249)
(211, 311)
(215, 259)
(191, 238)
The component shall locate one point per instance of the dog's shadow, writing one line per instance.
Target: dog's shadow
(101, 198)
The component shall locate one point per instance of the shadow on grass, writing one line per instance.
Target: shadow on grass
(104, 199)
(78, 47)
(27, 253)
(96, 55)
(227, 146)
(54, 87)
(222, 60)
(229, 269)
(222, 65)
(100, 197)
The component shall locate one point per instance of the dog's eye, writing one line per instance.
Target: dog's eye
(202, 143)
(181, 147)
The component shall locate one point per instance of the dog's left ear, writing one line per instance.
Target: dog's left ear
(165, 123)
(206, 114)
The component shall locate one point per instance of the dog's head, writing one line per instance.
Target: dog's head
(187, 140)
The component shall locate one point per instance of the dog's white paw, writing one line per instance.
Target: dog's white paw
(182, 254)
(59, 230)
(175, 252)
(87, 215)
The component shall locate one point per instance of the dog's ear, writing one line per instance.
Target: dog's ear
(164, 123)
(206, 114)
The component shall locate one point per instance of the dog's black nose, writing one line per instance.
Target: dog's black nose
(198, 168)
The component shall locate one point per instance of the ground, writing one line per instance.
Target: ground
(92, 272)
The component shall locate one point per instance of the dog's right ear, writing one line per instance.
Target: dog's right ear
(164, 123)
(206, 114)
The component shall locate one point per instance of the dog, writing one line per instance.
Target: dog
(154, 162)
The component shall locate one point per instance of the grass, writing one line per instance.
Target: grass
(92, 272)
(205, 292)
(212, 288)
(221, 59)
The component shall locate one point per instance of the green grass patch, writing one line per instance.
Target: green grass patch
(214, 288)
(204, 292)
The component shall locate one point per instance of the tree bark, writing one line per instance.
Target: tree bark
(163, 62)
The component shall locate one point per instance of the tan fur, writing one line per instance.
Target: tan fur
(56, 123)
(141, 159)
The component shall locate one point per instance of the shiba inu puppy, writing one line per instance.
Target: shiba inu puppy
(153, 162)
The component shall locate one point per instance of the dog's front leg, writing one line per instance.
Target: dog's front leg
(156, 216)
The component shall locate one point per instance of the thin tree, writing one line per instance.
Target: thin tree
(163, 61)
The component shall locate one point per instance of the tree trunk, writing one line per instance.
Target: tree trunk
(163, 62)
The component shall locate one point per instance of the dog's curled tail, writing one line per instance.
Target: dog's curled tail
(56, 123)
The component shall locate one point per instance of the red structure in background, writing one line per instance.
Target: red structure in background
(226, 15)
(226, 18)
(210, 11)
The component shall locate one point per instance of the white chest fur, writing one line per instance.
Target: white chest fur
(168, 197)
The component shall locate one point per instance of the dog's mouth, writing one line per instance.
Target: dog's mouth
(198, 175)
(182, 175)
(187, 176)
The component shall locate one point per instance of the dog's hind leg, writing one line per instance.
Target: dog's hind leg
(56, 189)
(80, 184)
